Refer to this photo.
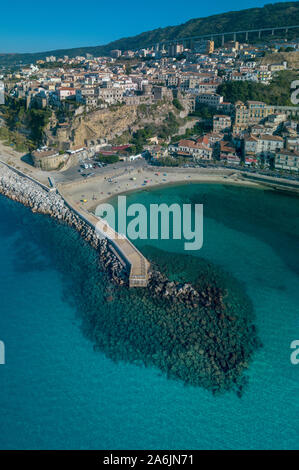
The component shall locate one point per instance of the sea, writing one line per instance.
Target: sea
(59, 391)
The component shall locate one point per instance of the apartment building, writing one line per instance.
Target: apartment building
(175, 49)
(204, 47)
(287, 160)
(221, 123)
(196, 150)
(263, 146)
(210, 99)
(65, 92)
(250, 113)
(110, 95)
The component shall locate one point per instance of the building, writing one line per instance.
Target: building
(110, 95)
(157, 151)
(263, 146)
(228, 153)
(48, 159)
(277, 67)
(221, 123)
(210, 99)
(161, 92)
(193, 149)
(268, 144)
(250, 145)
(204, 47)
(115, 53)
(251, 113)
(286, 160)
(65, 92)
(251, 161)
(175, 49)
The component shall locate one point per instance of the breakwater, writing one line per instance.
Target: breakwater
(199, 332)
(36, 196)
(29, 193)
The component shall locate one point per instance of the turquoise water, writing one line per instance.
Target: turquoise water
(57, 392)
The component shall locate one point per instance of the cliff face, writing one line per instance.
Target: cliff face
(104, 125)
(292, 59)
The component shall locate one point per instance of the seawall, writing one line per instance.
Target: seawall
(44, 201)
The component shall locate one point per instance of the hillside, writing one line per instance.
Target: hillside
(277, 93)
(277, 14)
(292, 59)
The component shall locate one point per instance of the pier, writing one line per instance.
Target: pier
(33, 195)
(123, 248)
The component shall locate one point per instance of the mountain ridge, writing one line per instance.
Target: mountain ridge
(270, 15)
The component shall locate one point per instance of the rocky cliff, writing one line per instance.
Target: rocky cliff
(104, 125)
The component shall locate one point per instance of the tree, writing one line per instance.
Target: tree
(276, 93)
(107, 158)
(177, 104)
(128, 69)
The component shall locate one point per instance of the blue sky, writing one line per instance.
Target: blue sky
(31, 26)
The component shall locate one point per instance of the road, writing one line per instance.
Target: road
(76, 172)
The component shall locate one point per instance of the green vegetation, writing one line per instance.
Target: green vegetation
(169, 161)
(177, 104)
(278, 92)
(37, 120)
(165, 130)
(199, 129)
(286, 13)
(16, 140)
(107, 158)
(66, 109)
(286, 49)
(204, 111)
(170, 126)
(140, 138)
(128, 69)
(24, 127)
(55, 65)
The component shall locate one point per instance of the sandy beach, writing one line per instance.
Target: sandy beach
(90, 192)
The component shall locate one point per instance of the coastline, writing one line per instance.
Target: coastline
(178, 183)
(27, 192)
(99, 189)
(219, 325)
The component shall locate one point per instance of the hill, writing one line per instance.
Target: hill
(271, 15)
(292, 59)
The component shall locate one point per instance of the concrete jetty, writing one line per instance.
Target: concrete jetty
(42, 200)
(124, 248)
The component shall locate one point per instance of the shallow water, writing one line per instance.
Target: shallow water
(57, 392)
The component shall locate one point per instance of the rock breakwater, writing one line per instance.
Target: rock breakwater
(196, 328)
(174, 291)
(30, 194)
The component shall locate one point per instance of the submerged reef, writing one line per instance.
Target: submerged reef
(208, 344)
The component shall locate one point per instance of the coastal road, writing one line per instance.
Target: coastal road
(74, 174)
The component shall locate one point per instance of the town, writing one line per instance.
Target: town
(207, 104)
(149, 229)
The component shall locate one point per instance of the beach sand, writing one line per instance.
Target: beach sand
(99, 189)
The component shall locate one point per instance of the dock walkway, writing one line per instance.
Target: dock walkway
(126, 251)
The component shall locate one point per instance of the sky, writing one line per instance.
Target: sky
(34, 26)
